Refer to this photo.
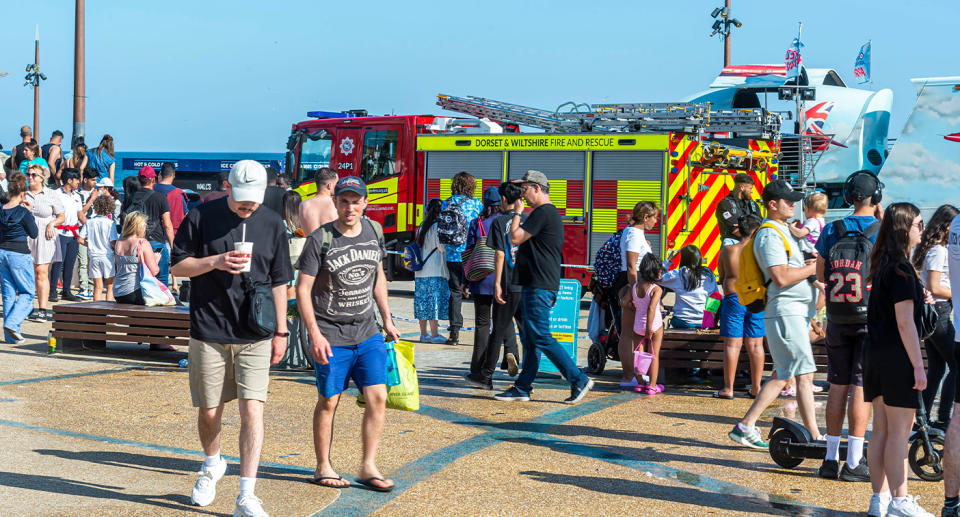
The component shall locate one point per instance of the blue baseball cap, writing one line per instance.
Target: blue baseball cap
(350, 184)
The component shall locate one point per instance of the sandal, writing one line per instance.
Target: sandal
(324, 481)
(655, 390)
(717, 395)
(789, 392)
(377, 488)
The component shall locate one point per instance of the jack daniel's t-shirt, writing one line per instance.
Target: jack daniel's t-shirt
(343, 289)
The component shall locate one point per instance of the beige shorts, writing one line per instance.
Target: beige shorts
(220, 373)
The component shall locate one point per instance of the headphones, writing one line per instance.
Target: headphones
(848, 196)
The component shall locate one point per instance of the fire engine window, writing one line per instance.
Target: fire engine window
(314, 154)
(379, 154)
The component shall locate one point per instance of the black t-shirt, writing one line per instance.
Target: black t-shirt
(730, 209)
(894, 282)
(539, 258)
(273, 198)
(216, 296)
(156, 205)
(498, 240)
(18, 154)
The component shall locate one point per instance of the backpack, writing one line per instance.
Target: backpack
(846, 269)
(750, 285)
(607, 261)
(452, 226)
(413, 259)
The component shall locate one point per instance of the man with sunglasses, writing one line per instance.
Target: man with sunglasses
(539, 260)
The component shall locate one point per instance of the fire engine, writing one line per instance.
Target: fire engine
(600, 159)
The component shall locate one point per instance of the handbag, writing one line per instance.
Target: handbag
(154, 293)
(479, 260)
(927, 321)
(257, 313)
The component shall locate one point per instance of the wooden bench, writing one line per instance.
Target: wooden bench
(89, 325)
(699, 349)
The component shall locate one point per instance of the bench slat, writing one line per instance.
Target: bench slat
(121, 309)
(120, 320)
(110, 330)
(152, 340)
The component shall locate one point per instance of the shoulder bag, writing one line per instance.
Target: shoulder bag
(257, 313)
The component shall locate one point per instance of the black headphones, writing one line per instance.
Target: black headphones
(848, 196)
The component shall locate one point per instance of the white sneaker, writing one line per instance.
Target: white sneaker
(206, 488)
(248, 505)
(878, 507)
(438, 339)
(908, 508)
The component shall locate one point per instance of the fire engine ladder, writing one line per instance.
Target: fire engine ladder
(692, 118)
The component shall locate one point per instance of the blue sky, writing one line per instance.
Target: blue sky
(232, 76)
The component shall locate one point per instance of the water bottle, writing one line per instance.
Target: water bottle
(51, 343)
(183, 363)
(393, 374)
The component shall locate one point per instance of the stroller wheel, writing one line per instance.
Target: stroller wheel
(596, 359)
(927, 466)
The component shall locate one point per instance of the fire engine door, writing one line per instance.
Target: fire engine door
(567, 172)
(621, 179)
(346, 152)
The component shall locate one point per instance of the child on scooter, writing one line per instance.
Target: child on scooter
(648, 323)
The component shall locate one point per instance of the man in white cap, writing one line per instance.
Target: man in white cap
(229, 359)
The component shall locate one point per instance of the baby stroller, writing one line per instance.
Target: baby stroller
(607, 346)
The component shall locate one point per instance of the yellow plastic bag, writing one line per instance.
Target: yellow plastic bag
(406, 395)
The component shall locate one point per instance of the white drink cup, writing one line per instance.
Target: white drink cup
(247, 249)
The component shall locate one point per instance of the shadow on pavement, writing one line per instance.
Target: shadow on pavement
(657, 491)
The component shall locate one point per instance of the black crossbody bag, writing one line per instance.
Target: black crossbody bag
(257, 313)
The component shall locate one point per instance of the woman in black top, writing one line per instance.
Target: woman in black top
(16, 263)
(893, 372)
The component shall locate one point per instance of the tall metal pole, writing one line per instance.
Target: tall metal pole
(36, 89)
(79, 94)
(726, 39)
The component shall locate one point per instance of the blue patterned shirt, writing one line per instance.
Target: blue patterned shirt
(471, 210)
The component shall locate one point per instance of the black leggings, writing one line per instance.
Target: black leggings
(484, 361)
(941, 355)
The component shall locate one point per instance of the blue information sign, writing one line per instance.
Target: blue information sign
(564, 322)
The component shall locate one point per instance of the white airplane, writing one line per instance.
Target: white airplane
(857, 119)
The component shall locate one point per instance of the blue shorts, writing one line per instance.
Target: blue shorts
(365, 363)
(737, 321)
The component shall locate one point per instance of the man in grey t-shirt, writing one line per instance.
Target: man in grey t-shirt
(786, 318)
(341, 277)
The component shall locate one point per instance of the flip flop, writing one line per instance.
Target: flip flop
(320, 481)
(717, 395)
(376, 488)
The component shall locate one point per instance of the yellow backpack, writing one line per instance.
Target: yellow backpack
(750, 285)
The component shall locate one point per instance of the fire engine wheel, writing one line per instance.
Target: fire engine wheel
(596, 359)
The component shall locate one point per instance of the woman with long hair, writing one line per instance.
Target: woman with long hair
(893, 372)
(693, 283)
(101, 158)
(930, 259)
(78, 159)
(462, 188)
(482, 290)
(290, 202)
(132, 250)
(17, 225)
(47, 209)
(633, 246)
(431, 294)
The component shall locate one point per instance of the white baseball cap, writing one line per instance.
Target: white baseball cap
(104, 182)
(248, 181)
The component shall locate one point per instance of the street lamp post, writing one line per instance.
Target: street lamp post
(79, 95)
(33, 78)
(721, 25)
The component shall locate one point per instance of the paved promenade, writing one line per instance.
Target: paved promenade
(114, 434)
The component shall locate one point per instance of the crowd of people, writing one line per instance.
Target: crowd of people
(863, 284)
